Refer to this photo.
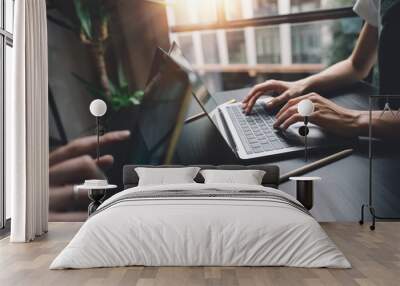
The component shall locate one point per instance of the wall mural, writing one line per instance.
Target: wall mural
(107, 50)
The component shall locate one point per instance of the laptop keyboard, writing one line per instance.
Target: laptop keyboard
(256, 130)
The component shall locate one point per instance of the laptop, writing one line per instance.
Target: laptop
(163, 111)
(250, 136)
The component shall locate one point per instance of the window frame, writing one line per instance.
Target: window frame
(230, 59)
(271, 52)
(203, 47)
(283, 20)
(291, 18)
(6, 39)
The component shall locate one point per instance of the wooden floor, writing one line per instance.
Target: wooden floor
(375, 257)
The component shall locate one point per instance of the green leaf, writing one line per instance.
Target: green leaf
(139, 94)
(83, 14)
(135, 101)
(137, 97)
(120, 96)
(119, 102)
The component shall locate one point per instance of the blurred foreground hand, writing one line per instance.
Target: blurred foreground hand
(71, 165)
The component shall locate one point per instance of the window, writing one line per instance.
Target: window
(268, 45)
(185, 42)
(265, 7)
(306, 43)
(210, 48)
(236, 47)
(233, 9)
(180, 13)
(206, 11)
(297, 6)
(254, 40)
(9, 13)
(304, 5)
(247, 9)
(6, 60)
(194, 11)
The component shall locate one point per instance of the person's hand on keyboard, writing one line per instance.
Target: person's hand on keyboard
(285, 89)
(327, 114)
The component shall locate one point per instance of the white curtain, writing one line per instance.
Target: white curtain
(27, 124)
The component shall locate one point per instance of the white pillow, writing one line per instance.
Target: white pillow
(248, 177)
(165, 176)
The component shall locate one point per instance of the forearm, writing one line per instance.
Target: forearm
(349, 71)
(339, 75)
(383, 125)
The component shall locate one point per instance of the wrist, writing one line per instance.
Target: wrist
(304, 85)
(361, 123)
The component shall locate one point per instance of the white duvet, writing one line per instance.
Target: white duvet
(200, 231)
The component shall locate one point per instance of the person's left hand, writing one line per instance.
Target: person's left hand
(328, 115)
(71, 165)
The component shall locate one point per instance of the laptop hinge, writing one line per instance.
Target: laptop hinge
(228, 132)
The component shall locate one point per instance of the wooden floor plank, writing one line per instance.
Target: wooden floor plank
(375, 257)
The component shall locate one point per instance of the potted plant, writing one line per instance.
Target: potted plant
(94, 19)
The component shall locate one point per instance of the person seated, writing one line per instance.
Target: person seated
(380, 29)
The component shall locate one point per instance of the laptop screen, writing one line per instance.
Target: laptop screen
(198, 87)
(207, 102)
(163, 110)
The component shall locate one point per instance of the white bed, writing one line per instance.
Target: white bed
(184, 230)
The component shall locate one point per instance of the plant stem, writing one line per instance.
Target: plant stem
(98, 52)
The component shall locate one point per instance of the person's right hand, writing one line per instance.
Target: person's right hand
(285, 89)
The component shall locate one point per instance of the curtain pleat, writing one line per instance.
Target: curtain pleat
(15, 130)
(28, 121)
